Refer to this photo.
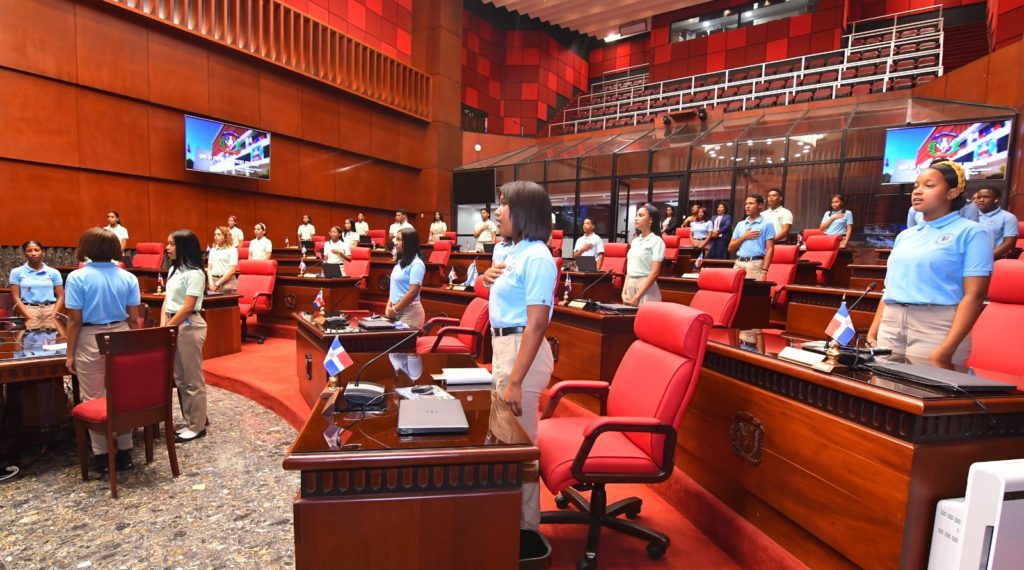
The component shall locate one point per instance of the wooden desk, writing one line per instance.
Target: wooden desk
(810, 309)
(839, 276)
(603, 290)
(882, 254)
(863, 275)
(842, 471)
(806, 271)
(223, 323)
(755, 302)
(148, 278)
(35, 407)
(461, 260)
(589, 345)
(292, 293)
(312, 344)
(419, 502)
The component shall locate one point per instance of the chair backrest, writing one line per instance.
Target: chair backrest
(451, 235)
(782, 271)
(685, 238)
(243, 253)
(671, 247)
(993, 341)
(245, 243)
(6, 304)
(139, 368)
(149, 255)
(359, 267)
(477, 315)
(318, 245)
(442, 252)
(811, 232)
(658, 374)
(377, 236)
(557, 238)
(256, 276)
(824, 249)
(1020, 235)
(615, 257)
(718, 294)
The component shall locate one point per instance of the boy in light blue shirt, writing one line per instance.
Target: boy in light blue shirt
(753, 239)
(1000, 225)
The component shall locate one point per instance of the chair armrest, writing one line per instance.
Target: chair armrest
(478, 339)
(625, 424)
(778, 293)
(595, 387)
(256, 308)
(429, 324)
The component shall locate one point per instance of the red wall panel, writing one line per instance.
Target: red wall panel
(385, 25)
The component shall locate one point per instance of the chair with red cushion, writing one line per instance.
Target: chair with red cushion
(782, 272)
(718, 294)
(634, 438)
(825, 250)
(996, 334)
(557, 238)
(6, 304)
(460, 336)
(149, 255)
(451, 235)
(685, 239)
(378, 237)
(615, 261)
(256, 278)
(243, 253)
(1020, 236)
(359, 267)
(139, 377)
(245, 243)
(318, 245)
(671, 249)
(441, 254)
(811, 232)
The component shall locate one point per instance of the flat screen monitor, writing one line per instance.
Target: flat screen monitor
(981, 148)
(473, 186)
(223, 148)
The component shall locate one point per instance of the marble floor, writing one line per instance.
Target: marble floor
(230, 508)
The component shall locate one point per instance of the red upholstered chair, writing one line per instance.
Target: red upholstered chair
(6, 304)
(782, 272)
(460, 336)
(557, 238)
(993, 340)
(243, 253)
(685, 239)
(718, 294)
(245, 243)
(451, 235)
(318, 245)
(149, 255)
(671, 248)
(359, 267)
(441, 254)
(615, 260)
(378, 237)
(824, 249)
(811, 232)
(139, 377)
(1020, 235)
(256, 279)
(634, 439)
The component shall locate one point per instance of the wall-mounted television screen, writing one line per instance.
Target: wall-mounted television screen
(223, 148)
(981, 148)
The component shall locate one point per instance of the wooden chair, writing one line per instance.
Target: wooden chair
(139, 377)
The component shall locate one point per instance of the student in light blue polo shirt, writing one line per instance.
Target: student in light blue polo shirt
(1000, 225)
(838, 221)
(37, 288)
(100, 298)
(406, 280)
(937, 277)
(753, 239)
(521, 303)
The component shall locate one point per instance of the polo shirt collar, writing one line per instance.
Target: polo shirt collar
(941, 222)
(41, 270)
(759, 218)
(989, 214)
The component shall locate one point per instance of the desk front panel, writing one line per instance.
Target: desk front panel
(601, 286)
(293, 293)
(863, 275)
(589, 345)
(755, 302)
(810, 309)
(223, 323)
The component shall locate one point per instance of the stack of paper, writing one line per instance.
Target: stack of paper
(459, 376)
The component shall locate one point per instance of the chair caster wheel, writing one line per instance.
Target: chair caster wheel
(259, 341)
(632, 514)
(586, 564)
(561, 502)
(655, 550)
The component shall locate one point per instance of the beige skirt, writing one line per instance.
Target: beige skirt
(632, 286)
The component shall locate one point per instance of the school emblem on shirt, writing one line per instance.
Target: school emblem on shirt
(944, 239)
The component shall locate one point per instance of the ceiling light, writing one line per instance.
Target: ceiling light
(726, 13)
(747, 14)
(796, 155)
(612, 37)
(705, 24)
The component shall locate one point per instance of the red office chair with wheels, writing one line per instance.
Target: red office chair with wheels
(243, 253)
(359, 266)
(460, 336)
(450, 236)
(256, 279)
(782, 272)
(557, 239)
(825, 250)
(149, 255)
(811, 232)
(671, 251)
(634, 439)
(719, 293)
(318, 245)
(378, 237)
(996, 334)
(139, 377)
(441, 254)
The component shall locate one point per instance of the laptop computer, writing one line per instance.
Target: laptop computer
(365, 241)
(586, 264)
(331, 270)
(619, 308)
(416, 417)
(941, 378)
(379, 324)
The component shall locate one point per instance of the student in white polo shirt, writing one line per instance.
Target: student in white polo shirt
(114, 225)
(237, 237)
(260, 247)
(486, 232)
(589, 244)
(306, 229)
(643, 261)
(1000, 225)
(362, 228)
(778, 215)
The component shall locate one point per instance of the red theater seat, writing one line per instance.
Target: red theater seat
(997, 335)
(460, 336)
(718, 294)
(557, 238)
(256, 278)
(782, 272)
(440, 255)
(149, 255)
(634, 438)
(824, 249)
(378, 237)
(671, 249)
(359, 267)
(615, 260)
(684, 237)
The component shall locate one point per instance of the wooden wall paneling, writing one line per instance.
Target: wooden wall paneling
(113, 53)
(47, 46)
(380, 186)
(284, 168)
(319, 115)
(179, 73)
(317, 166)
(1004, 71)
(350, 178)
(223, 203)
(167, 146)
(974, 90)
(411, 140)
(174, 206)
(354, 125)
(38, 119)
(384, 135)
(280, 215)
(113, 133)
(127, 195)
(53, 221)
(234, 85)
(280, 103)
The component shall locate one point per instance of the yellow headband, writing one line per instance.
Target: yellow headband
(961, 180)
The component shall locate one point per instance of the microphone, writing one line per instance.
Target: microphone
(361, 394)
(871, 287)
(583, 295)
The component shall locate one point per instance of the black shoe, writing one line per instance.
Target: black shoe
(123, 460)
(188, 435)
(99, 464)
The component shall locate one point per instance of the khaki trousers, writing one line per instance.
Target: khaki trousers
(632, 285)
(412, 315)
(91, 369)
(506, 348)
(40, 317)
(914, 331)
(754, 268)
(230, 286)
(188, 372)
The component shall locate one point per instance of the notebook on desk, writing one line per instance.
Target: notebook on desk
(619, 308)
(417, 417)
(376, 325)
(940, 377)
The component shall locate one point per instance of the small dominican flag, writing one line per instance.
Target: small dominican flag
(207, 249)
(699, 261)
(452, 275)
(337, 359)
(160, 280)
(841, 327)
(799, 239)
(471, 274)
(303, 251)
(319, 301)
(568, 282)
(302, 267)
